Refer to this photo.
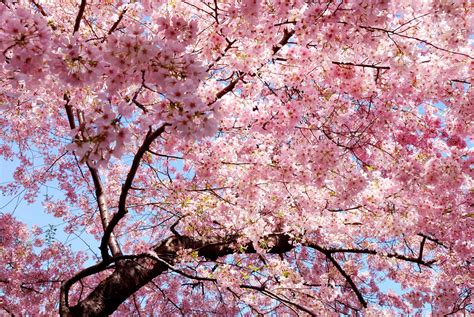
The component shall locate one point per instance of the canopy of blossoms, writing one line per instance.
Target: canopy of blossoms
(234, 157)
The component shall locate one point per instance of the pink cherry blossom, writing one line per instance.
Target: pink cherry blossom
(278, 157)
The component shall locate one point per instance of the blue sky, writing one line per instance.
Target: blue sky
(34, 214)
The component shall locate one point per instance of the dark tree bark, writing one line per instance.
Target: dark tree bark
(131, 274)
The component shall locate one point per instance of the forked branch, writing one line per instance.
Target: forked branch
(122, 206)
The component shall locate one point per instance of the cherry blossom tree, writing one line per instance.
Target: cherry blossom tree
(240, 157)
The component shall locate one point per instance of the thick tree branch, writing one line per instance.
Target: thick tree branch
(103, 209)
(77, 24)
(122, 206)
(97, 268)
(69, 112)
(133, 273)
(227, 88)
(99, 189)
(286, 36)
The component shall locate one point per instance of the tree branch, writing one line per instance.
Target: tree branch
(99, 191)
(327, 253)
(388, 32)
(64, 308)
(286, 36)
(39, 7)
(77, 24)
(266, 292)
(115, 25)
(103, 209)
(69, 112)
(122, 206)
(433, 240)
(360, 65)
(227, 48)
(228, 88)
(131, 275)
